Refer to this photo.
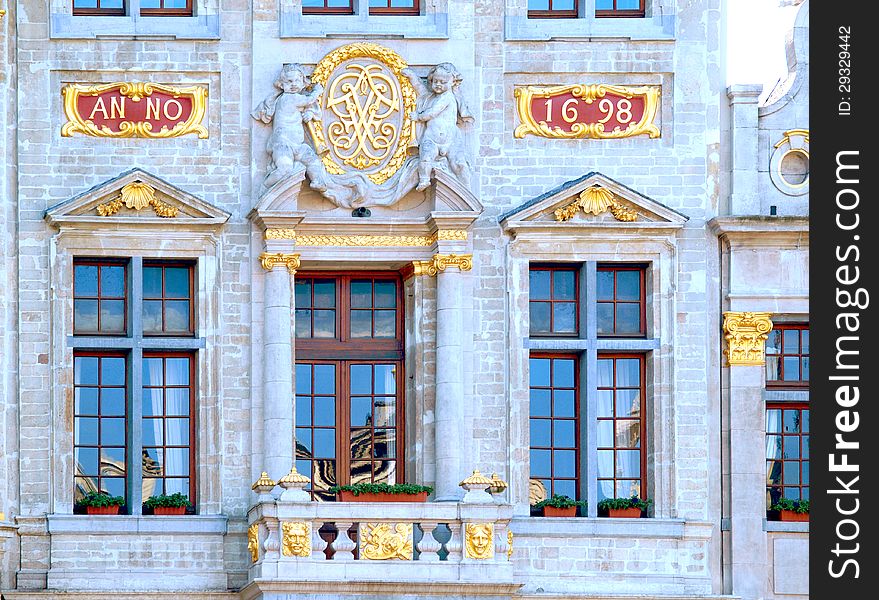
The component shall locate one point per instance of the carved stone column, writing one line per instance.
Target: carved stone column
(278, 365)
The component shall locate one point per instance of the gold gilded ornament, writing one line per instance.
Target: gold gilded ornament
(478, 540)
(367, 106)
(380, 542)
(296, 538)
(280, 234)
(137, 196)
(595, 200)
(440, 262)
(269, 261)
(509, 544)
(253, 542)
(745, 334)
(377, 241)
(588, 94)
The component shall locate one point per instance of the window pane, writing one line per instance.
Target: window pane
(791, 421)
(173, 486)
(773, 368)
(566, 487)
(152, 432)
(792, 492)
(385, 412)
(564, 463)
(791, 341)
(773, 342)
(385, 324)
(791, 368)
(627, 489)
(605, 372)
(540, 432)
(115, 486)
(628, 4)
(805, 340)
(303, 323)
(177, 401)
(563, 373)
(605, 489)
(303, 410)
(563, 433)
(385, 379)
(324, 379)
(361, 379)
(564, 285)
(177, 432)
(628, 403)
(605, 403)
(791, 472)
(85, 401)
(112, 316)
(112, 461)
(85, 370)
(539, 282)
(773, 421)
(303, 443)
(85, 280)
(302, 289)
(563, 403)
(151, 402)
(628, 434)
(113, 401)
(385, 294)
(176, 371)
(604, 316)
(177, 315)
(112, 432)
(325, 443)
(86, 460)
(325, 411)
(805, 371)
(152, 372)
(112, 371)
(176, 462)
(605, 285)
(112, 282)
(773, 472)
(605, 463)
(628, 318)
(361, 412)
(152, 316)
(564, 317)
(628, 285)
(539, 372)
(805, 423)
(628, 463)
(152, 276)
(361, 294)
(605, 434)
(540, 463)
(324, 324)
(773, 446)
(604, 4)
(385, 443)
(324, 293)
(538, 4)
(628, 372)
(85, 315)
(540, 403)
(563, 4)
(361, 471)
(539, 314)
(361, 323)
(791, 446)
(303, 379)
(385, 472)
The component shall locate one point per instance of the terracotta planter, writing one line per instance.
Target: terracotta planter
(554, 511)
(102, 510)
(350, 497)
(169, 510)
(789, 515)
(624, 513)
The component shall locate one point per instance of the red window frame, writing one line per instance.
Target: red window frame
(778, 465)
(98, 263)
(552, 269)
(161, 11)
(555, 13)
(164, 299)
(99, 416)
(329, 10)
(642, 300)
(616, 417)
(164, 417)
(415, 9)
(622, 13)
(553, 356)
(779, 329)
(98, 11)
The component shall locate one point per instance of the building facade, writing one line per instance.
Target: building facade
(506, 249)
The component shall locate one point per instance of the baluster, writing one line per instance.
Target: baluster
(272, 545)
(343, 545)
(455, 545)
(428, 546)
(318, 544)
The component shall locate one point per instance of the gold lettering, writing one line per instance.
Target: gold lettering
(117, 107)
(99, 106)
(179, 109)
(569, 110)
(152, 110)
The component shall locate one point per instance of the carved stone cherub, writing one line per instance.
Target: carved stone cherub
(442, 110)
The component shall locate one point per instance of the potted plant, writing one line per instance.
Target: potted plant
(792, 510)
(382, 492)
(560, 506)
(627, 508)
(173, 504)
(101, 503)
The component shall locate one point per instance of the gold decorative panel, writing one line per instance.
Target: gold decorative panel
(596, 200)
(745, 334)
(479, 540)
(379, 541)
(296, 538)
(137, 196)
(253, 542)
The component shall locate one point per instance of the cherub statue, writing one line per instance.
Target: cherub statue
(288, 109)
(442, 109)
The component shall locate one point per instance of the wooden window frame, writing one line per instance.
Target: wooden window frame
(98, 11)
(193, 488)
(552, 268)
(329, 10)
(782, 406)
(415, 9)
(795, 384)
(577, 449)
(642, 300)
(101, 262)
(554, 13)
(615, 13)
(99, 354)
(147, 264)
(641, 419)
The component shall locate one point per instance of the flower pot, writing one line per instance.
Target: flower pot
(632, 512)
(169, 510)
(345, 496)
(102, 510)
(554, 511)
(790, 515)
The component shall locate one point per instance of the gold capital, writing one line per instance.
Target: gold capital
(269, 261)
(440, 262)
(745, 334)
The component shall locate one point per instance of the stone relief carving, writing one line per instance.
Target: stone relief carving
(351, 126)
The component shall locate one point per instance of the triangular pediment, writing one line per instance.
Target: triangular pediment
(139, 199)
(593, 201)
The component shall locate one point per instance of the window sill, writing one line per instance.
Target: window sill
(789, 395)
(130, 524)
(521, 28)
(429, 26)
(202, 27)
(785, 526)
(608, 527)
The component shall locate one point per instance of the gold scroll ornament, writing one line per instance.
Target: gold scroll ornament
(745, 334)
(296, 538)
(588, 94)
(269, 261)
(253, 542)
(596, 200)
(380, 542)
(440, 262)
(137, 196)
(479, 540)
(364, 100)
(137, 91)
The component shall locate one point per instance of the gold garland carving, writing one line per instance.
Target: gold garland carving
(440, 262)
(479, 540)
(296, 538)
(137, 196)
(509, 544)
(380, 542)
(269, 261)
(587, 93)
(375, 241)
(136, 90)
(253, 542)
(595, 200)
(745, 334)
(396, 64)
(280, 234)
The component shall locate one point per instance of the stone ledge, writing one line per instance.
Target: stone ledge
(607, 527)
(137, 580)
(785, 526)
(64, 595)
(122, 524)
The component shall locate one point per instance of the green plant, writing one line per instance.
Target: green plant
(797, 506)
(174, 500)
(560, 501)
(100, 499)
(381, 488)
(623, 503)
